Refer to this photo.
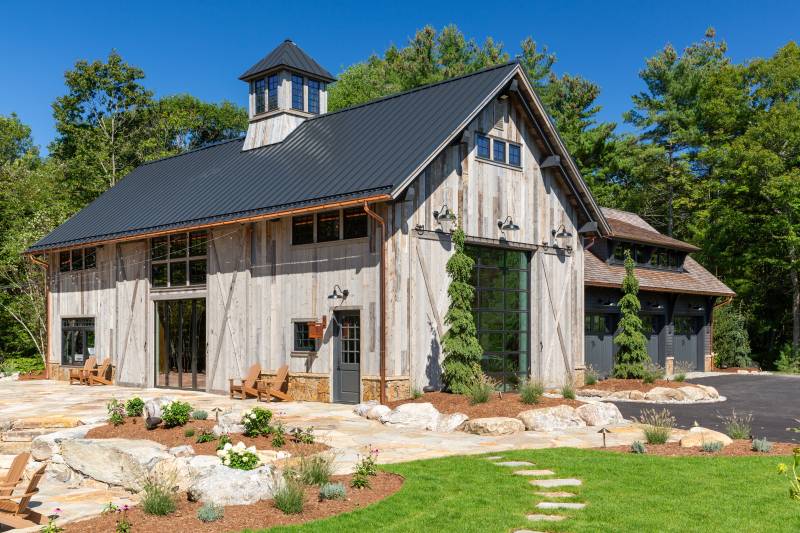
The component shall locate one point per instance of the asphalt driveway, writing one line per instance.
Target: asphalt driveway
(774, 402)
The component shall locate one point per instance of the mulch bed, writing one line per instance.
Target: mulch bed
(259, 515)
(614, 385)
(134, 428)
(737, 448)
(509, 405)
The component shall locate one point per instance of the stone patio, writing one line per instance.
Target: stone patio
(26, 406)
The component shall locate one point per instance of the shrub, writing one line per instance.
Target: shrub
(206, 436)
(316, 470)
(632, 354)
(568, 391)
(175, 414)
(590, 375)
(788, 360)
(134, 406)
(638, 447)
(680, 369)
(304, 436)
(210, 512)
(652, 372)
(290, 497)
(713, 446)
(278, 435)
(239, 456)
(223, 440)
(158, 496)
(731, 341)
(365, 468)
(188, 433)
(416, 393)
(200, 415)
(21, 364)
(530, 391)
(256, 422)
(116, 412)
(792, 474)
(332, 491)
(657, 425)
(737, 426)
(761, 445)
(481, 390)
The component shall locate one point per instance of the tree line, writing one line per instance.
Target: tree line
(712, 158)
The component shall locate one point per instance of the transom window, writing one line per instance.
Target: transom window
(302, 341)
(501, 311)
(328, 226)
(273, 82)
(313, 96)
(179, 260)
(77, 340)
(297, 92)
(498, 150)
(260, 88)
(80, 259)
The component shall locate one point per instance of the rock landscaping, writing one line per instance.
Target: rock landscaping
(507, 404)
(660, 391)
(738, 447)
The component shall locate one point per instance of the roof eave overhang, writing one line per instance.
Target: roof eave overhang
(681, 246)
(281, 66)
(651, 288)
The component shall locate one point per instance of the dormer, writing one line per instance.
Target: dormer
(286, 87)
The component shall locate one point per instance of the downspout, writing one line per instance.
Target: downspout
(46, 348)
(382, 303)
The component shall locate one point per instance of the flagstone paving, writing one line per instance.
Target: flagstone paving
(549, 483)
(557, 494)
(560, 505)
(514, 463)
(546, 517)
(534, 472)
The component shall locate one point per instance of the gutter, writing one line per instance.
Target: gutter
(46, 348)
(382, 304)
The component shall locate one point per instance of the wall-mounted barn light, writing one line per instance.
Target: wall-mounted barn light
(338, 292)
(444, 214)
(559, 233)
(507, 224)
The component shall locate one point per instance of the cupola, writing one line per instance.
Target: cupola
(286, 87)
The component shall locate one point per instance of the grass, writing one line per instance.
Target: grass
(624, 492)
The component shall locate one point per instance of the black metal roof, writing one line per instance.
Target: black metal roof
(362, 151)
(288, 54)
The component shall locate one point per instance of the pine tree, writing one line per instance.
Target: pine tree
(632, 354)
(461, 365)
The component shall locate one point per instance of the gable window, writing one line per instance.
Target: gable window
(179, 260)
(499, 151)
(303, 229)
(328, 226)
(80, 259)
(297, 92)
(77, 340)
(514, 155)
(259, 88)
(273, 91)
(313, 96)
(302, 341)
(482, 142)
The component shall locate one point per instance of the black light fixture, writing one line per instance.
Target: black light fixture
(559, 233)
(444, 214)
(338, 292)
(507, 224)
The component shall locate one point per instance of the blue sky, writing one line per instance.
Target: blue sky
(202, 47)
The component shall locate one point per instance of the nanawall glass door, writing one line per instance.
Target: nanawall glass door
(181, 344)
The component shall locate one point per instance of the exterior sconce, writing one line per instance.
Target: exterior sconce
(696, 307)
(444, 216)
(338, 292)
(507, 224)
(559, 233)
(655, 305)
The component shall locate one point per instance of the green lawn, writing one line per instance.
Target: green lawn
(624, 492)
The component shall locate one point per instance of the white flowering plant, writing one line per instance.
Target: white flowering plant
(239, 456)
(256, 422)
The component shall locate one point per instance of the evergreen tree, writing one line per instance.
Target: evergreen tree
(632, 354)
(461, 365)
(731, 342)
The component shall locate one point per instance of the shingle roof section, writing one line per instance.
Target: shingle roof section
(288, 54)
(629, 226)
(358, 152)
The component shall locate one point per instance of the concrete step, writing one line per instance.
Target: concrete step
(534, 473)
(560, 505)
(548, 483)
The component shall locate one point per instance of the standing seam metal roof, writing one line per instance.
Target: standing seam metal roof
(288, 54)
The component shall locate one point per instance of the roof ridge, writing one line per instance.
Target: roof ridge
(193, 150)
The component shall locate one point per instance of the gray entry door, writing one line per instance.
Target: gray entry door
(347, 357)
(599, 342)
(685, 340)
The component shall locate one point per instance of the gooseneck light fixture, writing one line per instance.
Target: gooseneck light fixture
(507, 224)
(559, 233)
(338, 292)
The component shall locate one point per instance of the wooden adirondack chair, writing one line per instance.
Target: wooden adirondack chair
(81, 375)
(247, 386)
(15, 473)
(101, 375)
(14, 509)
(274, 387)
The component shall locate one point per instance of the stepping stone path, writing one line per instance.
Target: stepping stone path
(544, 483)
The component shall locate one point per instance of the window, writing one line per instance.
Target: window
(355, 223)
(297, 92)
(598, 324)
(273, 92)
(313, 96)
(514, 155)
(179, 260)
(303, 229)
(482, 142)
(499, 151)
(77, 340)
(260, 87)
(302, 342)
(80, 259)
(328, 226)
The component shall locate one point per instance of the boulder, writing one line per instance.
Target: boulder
(665, 394)
(63, 474)
(712, 393)
(497, 425)
(378, 411)
(693, 393)
(121, 462)
(363, 408)
(152, 408)
(600, 414)
(593, 393)
(413, 415)
(551, 418)
(183, 472)
(44, 447)
(699, 435)
(220, 485)
(636, 395)
(229, 423)
(152, 422)
(182, 451)
(619, 395)
(270, 456)
(448, 423)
